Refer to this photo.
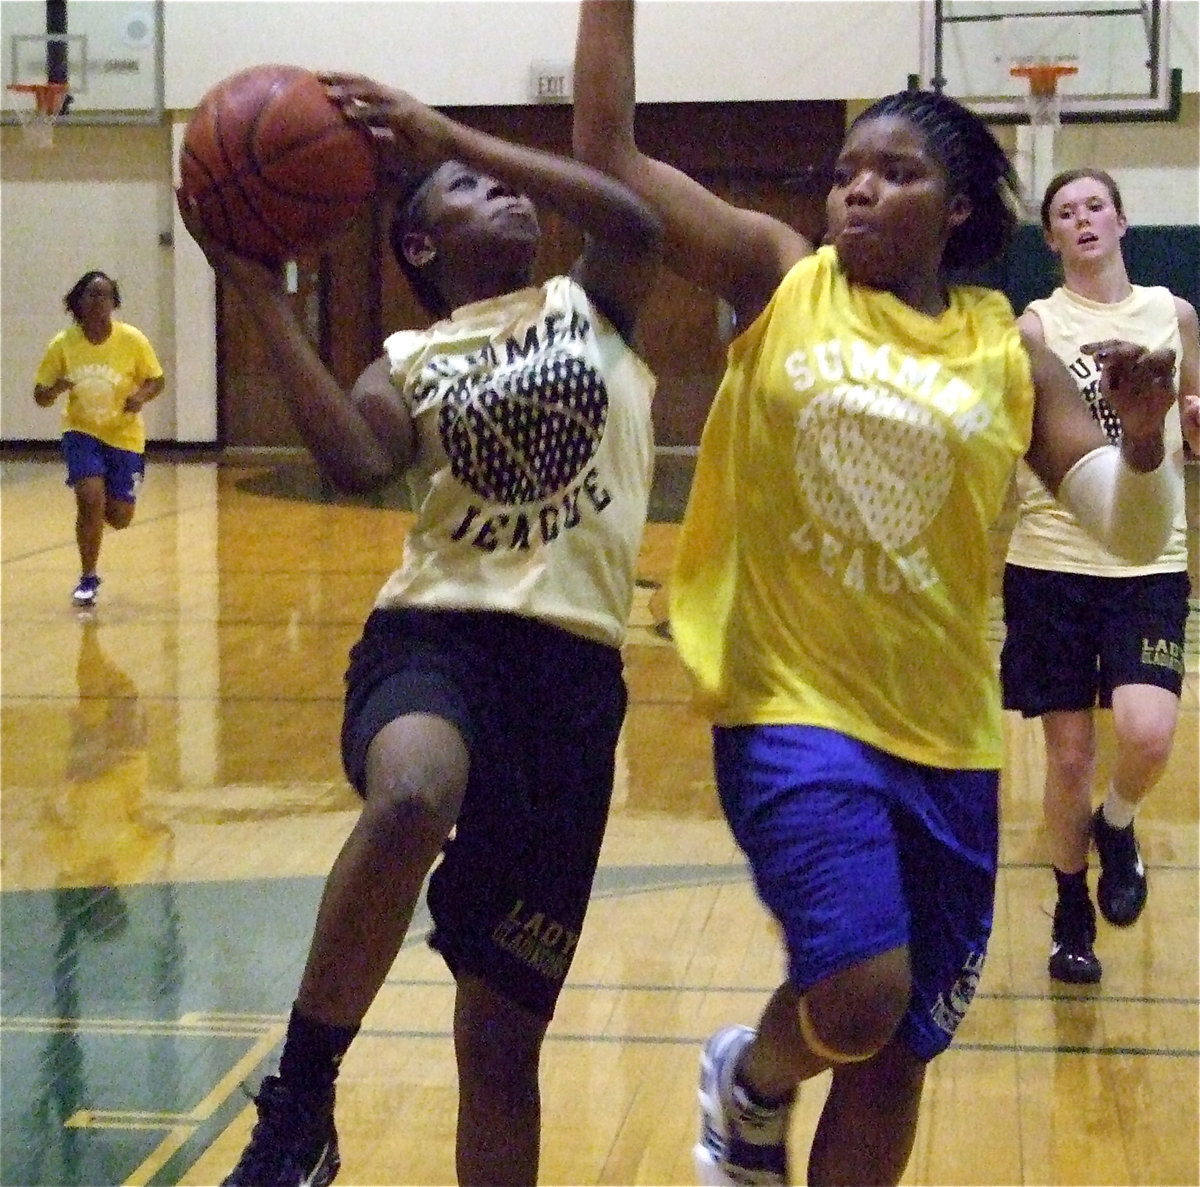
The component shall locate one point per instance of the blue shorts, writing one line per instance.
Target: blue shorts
(1071, 638)
(88, 457)
(540, 711)
(856, 852)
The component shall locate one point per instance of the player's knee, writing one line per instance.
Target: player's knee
(412, 809)
(498, 1044)
(1151, 741)
(407, 818)
(1071, 765)
(118, 515)
(854, 1015)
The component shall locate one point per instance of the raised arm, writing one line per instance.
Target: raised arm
(623, 234)
(740, 255)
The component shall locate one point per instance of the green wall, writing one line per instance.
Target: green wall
(1168, 256)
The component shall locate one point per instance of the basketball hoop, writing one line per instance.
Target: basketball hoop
(37, 122)
(1034, 158)
(1044, 104)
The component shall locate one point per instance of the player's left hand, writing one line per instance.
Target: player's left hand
(416, 133)
(224, 262)
(1136, 383)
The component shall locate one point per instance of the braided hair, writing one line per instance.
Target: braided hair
(73, 298)
(975, 165)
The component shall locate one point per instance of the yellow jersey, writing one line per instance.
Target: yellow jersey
(103, 375)
(834, 566)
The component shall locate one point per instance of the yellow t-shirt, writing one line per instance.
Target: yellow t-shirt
(103, 375)
(834, 565)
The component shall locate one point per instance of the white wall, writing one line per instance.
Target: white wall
(479, 51)
(97, 200)
(102, 196)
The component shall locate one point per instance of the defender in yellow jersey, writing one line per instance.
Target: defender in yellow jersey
(1085, 628)
(830, 589)
(109, 372)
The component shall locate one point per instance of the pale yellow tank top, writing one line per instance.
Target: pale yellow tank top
(1047, 535)
(535, 456)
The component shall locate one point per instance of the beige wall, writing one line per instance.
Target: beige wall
(98, 199)
(478, 52)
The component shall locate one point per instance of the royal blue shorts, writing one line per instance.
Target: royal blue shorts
(856, 852)
(540, 711)
(89, 457)
(1071, 638)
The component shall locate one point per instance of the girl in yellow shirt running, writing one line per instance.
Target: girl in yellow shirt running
(109, 372)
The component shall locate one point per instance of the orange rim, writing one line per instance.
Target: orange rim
(48, 96)
(1043, 76)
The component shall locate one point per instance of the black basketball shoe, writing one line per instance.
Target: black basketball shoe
(294, 1142)
(1121, 891)
(1072, 958)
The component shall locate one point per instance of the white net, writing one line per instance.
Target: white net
(40, 114)
(1043, 102)
(1044, 110)
(1034, 157)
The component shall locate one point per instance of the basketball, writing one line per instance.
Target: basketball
(272, 166)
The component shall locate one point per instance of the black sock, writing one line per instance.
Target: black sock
(1072, 887)
(312, 1052)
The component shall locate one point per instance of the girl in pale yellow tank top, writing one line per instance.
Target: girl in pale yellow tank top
(1085, 628)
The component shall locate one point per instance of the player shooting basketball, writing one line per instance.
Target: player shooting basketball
(486, 694)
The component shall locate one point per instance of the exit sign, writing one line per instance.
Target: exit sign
(550, 82)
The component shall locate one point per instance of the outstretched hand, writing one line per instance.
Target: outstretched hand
(1136, 383)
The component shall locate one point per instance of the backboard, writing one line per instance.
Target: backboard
(1119, 48)
(108, 52)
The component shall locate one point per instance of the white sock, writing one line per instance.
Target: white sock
(1118, 812)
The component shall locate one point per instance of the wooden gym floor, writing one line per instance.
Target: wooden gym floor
(172, 801)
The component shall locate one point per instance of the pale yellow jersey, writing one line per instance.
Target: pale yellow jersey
(103, 375)
(834, 566)
(535, 455)
(1047, 535)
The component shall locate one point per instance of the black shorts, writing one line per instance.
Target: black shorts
(540, 711)
(1071, 638)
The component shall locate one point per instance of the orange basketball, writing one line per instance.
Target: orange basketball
(274, 168)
